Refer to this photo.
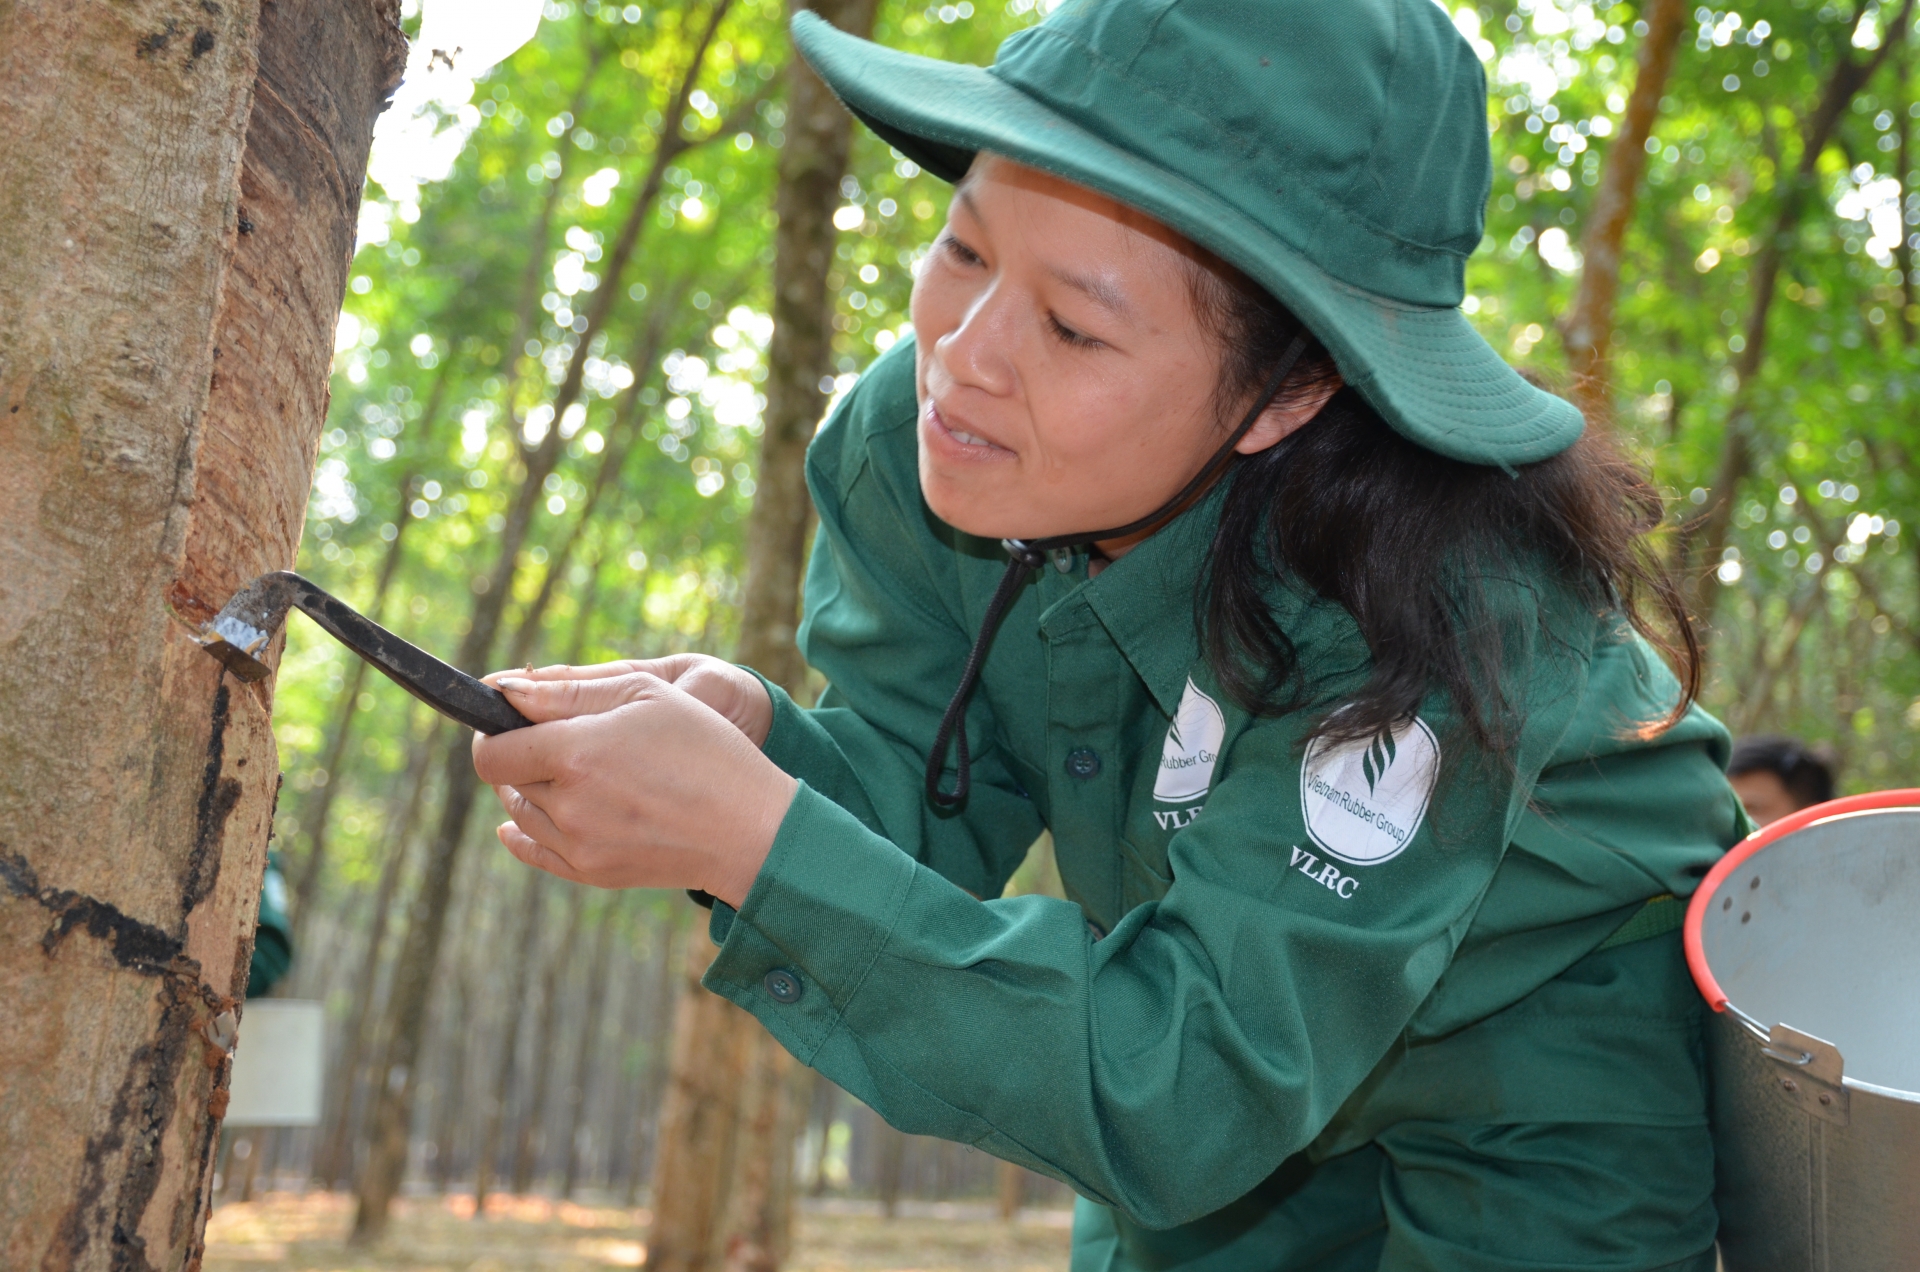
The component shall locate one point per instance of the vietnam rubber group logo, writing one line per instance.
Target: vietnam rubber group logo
(1363, 801)
(1193, 745)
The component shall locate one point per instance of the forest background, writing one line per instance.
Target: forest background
(1736, 300)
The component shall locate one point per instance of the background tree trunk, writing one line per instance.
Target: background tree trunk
(812, 162)
(420, 954)
(698, 1122)
(1588, 326)
(593, 1015)
(314, 817)
(545, 1052)
(178, 191)
(516, 1001)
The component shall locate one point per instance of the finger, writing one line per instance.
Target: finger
(536, 854)
(520, 757)
(562, 671)
(544, 700)
(671, 667)
(533, 819)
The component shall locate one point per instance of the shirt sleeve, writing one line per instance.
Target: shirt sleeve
(1169, 1067)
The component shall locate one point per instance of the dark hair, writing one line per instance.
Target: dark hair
(1806, 772)
(1407, 540)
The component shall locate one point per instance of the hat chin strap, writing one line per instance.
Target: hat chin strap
(1025, 555)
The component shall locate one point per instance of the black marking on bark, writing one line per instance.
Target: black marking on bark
(246, 222)
(136, 946)
(128, 1148)
(157, 42)
(202, 45)
(218, 795)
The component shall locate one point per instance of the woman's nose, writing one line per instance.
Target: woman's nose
(978, 352)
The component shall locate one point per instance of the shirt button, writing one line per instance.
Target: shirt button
(783, 985)
(1083, 763)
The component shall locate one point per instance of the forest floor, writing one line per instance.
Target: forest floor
(307, 1233)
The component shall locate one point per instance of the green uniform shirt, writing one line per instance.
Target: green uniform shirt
(1276, 946)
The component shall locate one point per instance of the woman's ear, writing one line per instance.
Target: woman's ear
(1282, 419)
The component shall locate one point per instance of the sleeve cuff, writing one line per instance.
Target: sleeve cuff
(787, 743)
(818, 915)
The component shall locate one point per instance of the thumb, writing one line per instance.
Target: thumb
(544, 700)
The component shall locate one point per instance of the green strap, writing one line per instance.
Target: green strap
(1659, 916)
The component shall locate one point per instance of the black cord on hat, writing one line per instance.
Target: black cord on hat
(1030, 554)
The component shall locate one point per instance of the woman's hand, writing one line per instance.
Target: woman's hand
(628, 781)
(734, 692)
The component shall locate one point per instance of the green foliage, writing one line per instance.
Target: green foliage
(1811, 631)
(465, 304)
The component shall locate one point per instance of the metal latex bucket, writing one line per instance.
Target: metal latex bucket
(1805, 940)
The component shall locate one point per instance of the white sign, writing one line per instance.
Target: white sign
(1192, 746)
(1363, 801)
(278, 1064)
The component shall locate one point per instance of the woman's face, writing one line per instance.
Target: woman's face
(1066, 381)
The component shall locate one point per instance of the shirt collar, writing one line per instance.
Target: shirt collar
(1145, 600)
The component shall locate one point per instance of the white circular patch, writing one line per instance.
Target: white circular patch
(1193, 744)
(1363, 801)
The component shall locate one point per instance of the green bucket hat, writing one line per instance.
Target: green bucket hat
(1334, 152)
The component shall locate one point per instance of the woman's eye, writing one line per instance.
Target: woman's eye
(1068, 336)
(959, 251)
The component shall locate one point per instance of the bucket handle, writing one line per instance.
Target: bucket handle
(1697, 908)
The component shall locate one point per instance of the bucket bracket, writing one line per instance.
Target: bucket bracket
(1807, 1070)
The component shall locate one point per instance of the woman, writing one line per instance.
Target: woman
(1370, 798)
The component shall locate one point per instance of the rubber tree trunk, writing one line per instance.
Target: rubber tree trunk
(1588, 325)
(179, 185)
(812, 163)
(699, 1122)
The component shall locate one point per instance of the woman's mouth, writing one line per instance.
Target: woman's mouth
(943, 428)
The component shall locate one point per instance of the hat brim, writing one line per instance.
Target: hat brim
(1426, 370)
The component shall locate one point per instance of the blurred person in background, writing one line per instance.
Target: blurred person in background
(272, 933)
(1774, 776)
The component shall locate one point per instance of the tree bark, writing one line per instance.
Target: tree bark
(1703, 542)
(1587, 328)
(699, 1122)
(178, 192)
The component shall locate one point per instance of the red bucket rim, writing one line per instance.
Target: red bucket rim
(1703, 895)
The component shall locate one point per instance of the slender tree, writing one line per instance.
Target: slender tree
(335, 1161)
(520, 967)
(419, 956)
(313, 818)
(546, 1044)
(812, 163)
(585, 1053)
(1588, 324)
